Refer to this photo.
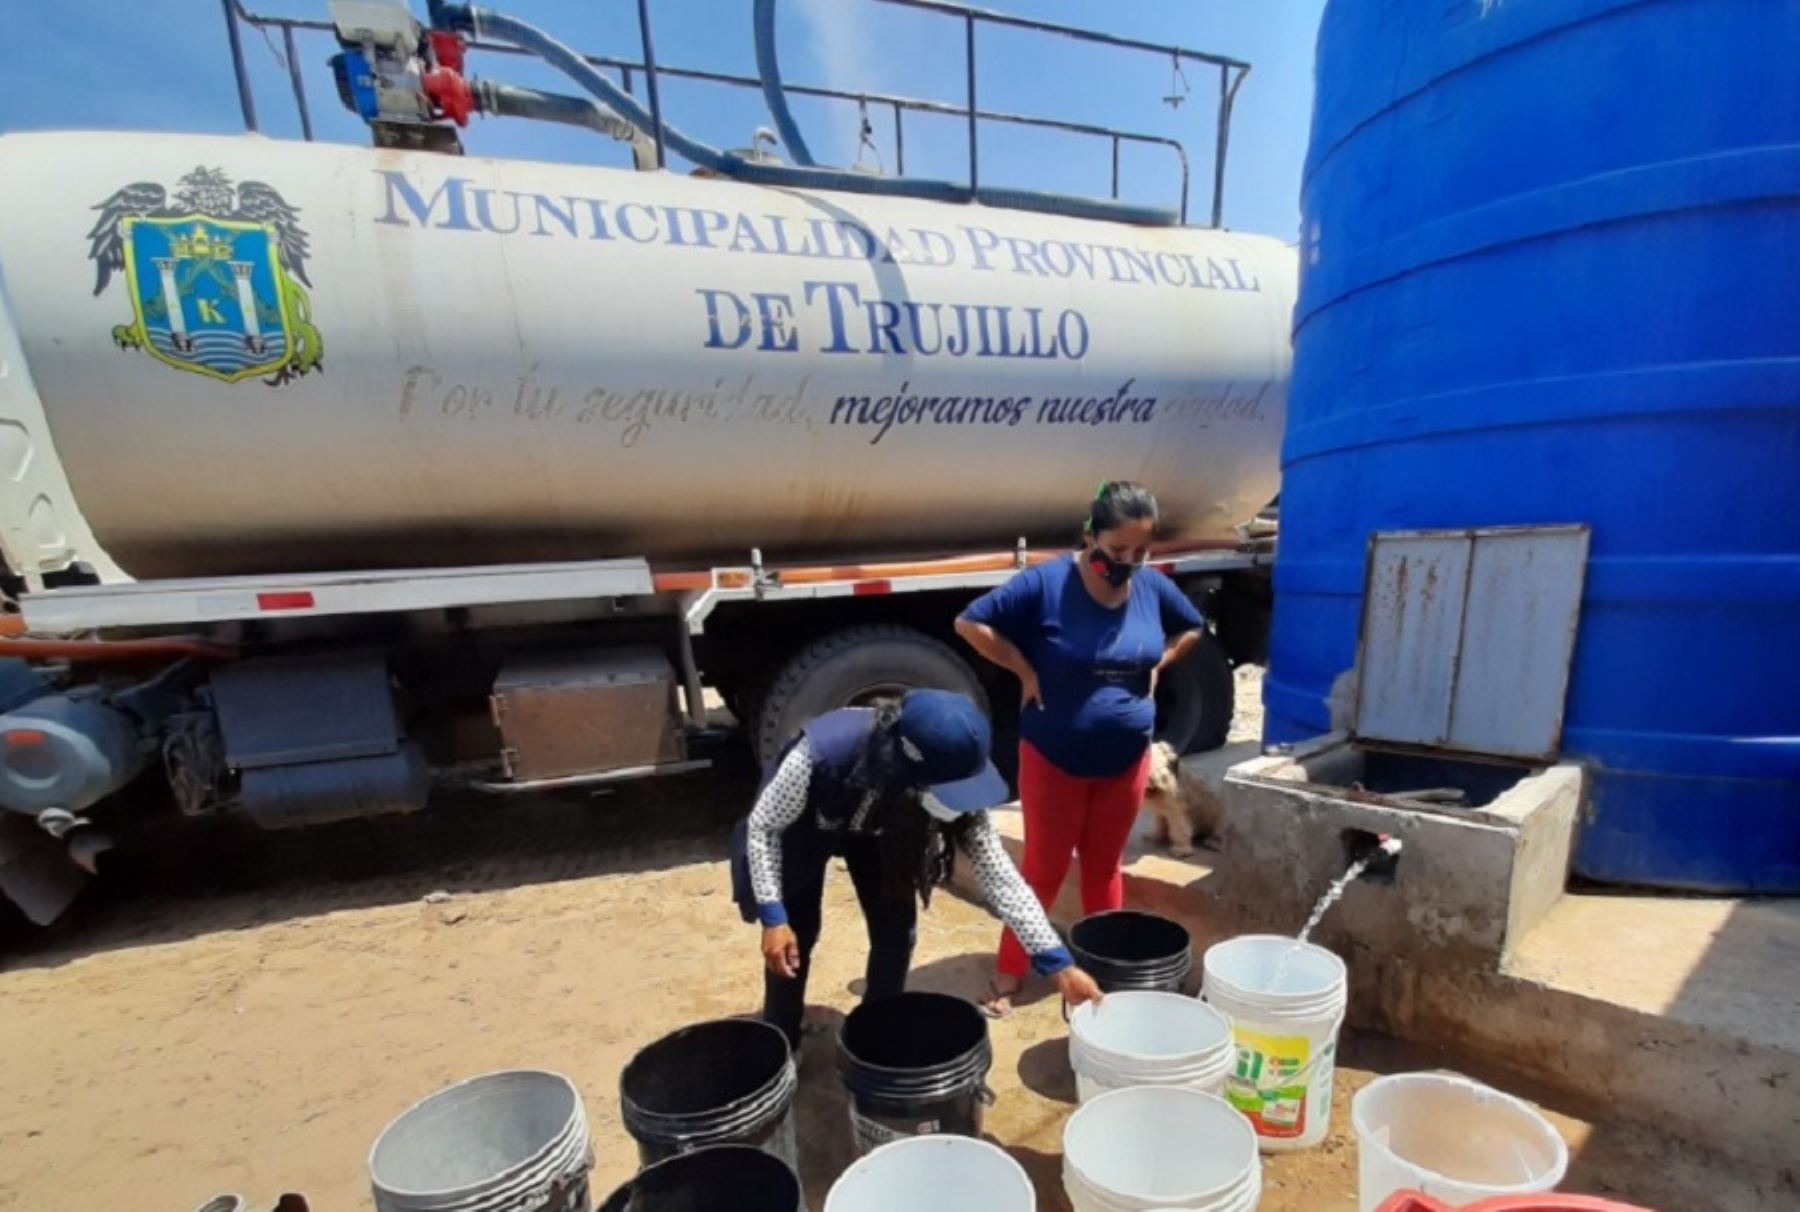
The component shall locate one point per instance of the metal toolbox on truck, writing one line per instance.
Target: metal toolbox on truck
(572, 713)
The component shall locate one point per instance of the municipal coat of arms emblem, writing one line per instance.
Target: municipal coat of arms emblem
(216, 275)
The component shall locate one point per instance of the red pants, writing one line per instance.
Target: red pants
(1067, 816)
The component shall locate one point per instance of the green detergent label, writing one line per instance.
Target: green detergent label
(1269, 1084)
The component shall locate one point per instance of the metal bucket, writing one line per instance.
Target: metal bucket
(514, 1141)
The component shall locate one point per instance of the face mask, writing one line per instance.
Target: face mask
(1115, 572)
(936, 809)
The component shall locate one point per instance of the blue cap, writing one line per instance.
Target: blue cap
(945, 740)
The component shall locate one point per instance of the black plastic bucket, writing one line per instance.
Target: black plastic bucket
(916, 1065)
(1127, 950)
(729, 1082)
(725, 1178)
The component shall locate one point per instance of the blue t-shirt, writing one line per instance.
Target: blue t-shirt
(1093, 662)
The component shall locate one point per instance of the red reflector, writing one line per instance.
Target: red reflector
(293, 599)
(869, 589)
(25, 736)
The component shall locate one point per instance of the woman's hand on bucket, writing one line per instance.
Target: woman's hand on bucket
(781, 951)
(1077, 987)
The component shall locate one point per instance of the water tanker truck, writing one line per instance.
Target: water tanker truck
(333, 474)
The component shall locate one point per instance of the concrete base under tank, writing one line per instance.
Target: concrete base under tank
(1469, 885)
(1682, 1015)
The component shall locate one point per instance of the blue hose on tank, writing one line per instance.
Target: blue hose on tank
(768, 69)
(485, 21)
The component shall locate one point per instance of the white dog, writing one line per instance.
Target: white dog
(1184, 807)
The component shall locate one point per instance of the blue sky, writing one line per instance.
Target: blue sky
(129, 64)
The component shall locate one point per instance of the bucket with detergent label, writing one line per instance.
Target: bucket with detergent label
(1444, 1135)
(1286, 1003)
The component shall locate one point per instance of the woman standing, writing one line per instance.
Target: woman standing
(890, 790)
(1087, 635)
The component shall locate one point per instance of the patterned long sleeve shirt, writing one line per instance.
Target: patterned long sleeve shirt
(784, 801)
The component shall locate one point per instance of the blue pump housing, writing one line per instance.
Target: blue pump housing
(66, 751)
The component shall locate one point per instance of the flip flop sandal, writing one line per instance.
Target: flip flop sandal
(994, 994)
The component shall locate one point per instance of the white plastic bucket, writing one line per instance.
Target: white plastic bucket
(514, 1141)
(1149, 1039)
(1451, 1138)
(934, 1174)
(1084, 1198)
(1285, 1030)
(1160, 1147)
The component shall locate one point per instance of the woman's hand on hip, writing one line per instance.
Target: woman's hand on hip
(1004, 653)
(1029, 690)
(781, 951)
(1077, 987)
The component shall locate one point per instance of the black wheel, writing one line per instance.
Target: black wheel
(737, 701)
(744, 690)
(1242, 611)
(854, 668)
(1194, 700)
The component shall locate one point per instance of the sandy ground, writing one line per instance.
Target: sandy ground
(240, 1012)
(264, 1055)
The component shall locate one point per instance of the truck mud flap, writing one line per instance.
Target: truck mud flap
(36, 873)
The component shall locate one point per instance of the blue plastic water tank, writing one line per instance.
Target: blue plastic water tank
(1551, 273)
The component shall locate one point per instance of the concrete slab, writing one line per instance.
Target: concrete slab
(1679, 1015)
(1721, 964)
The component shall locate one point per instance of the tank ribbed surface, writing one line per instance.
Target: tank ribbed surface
(1549, 275)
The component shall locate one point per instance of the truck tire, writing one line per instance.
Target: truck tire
(740, 700)
(1242, 611)
(1194, 700)
(851, 668)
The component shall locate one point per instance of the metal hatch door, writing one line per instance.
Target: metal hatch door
(1467, 637)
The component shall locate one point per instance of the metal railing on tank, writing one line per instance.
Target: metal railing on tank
(1231, 74)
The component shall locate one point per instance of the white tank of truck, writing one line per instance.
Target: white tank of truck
(236, 355)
